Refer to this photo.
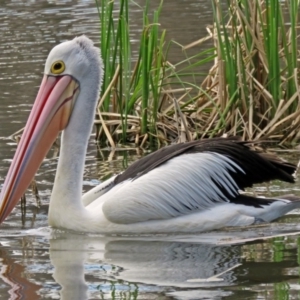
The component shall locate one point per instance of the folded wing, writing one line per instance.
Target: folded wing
(185, 178)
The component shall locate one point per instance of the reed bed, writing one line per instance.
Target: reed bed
(254, 82)
(251, 90)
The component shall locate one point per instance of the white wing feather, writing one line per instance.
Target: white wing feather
(183, 185)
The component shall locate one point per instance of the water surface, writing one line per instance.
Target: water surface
(259, 262)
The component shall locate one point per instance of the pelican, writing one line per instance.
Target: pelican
(187, 187)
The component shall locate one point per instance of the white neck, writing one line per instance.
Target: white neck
(66, 208)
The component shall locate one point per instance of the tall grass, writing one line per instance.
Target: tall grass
(131, 91)
(257, 70)
(251, 89)
(138, 100)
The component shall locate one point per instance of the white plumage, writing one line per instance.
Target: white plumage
(171, 190)
(188, 187)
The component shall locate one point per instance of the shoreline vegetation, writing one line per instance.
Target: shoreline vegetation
(251, 90)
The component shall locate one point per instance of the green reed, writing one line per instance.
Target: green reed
(256, 43)
(130, 88)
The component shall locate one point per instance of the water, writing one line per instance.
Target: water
(260, 262)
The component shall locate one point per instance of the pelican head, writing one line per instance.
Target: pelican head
(68, 66)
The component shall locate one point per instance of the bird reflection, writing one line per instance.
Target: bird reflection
(12, 274)
(140, 261)
(63, 265)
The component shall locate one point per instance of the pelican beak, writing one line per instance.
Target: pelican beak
(50, 114)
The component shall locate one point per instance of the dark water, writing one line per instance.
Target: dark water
(259, 262)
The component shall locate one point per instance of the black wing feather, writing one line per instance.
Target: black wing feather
(258, 166)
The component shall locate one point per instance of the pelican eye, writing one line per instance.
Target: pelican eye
(58, 67)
